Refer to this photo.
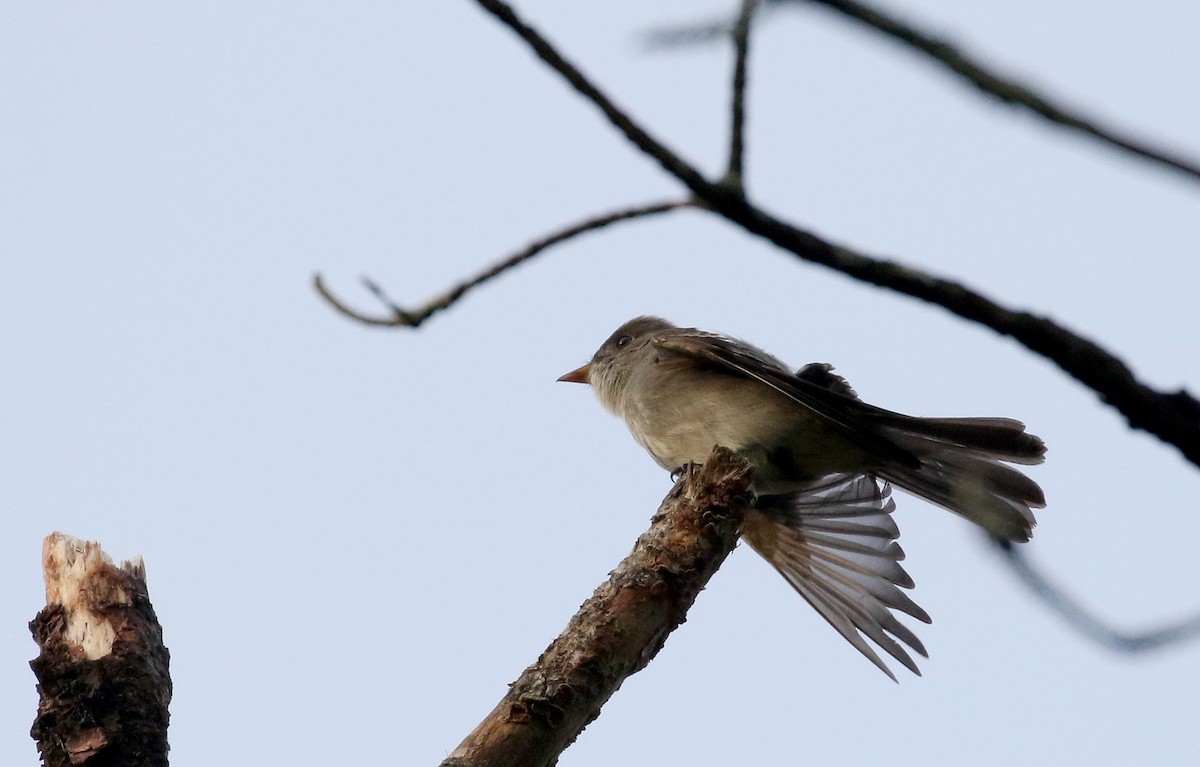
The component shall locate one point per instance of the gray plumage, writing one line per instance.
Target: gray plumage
(822, 517)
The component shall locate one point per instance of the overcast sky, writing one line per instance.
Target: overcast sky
(355, 538)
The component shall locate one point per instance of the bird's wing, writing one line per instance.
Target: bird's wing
(835, 543)
(831, 403)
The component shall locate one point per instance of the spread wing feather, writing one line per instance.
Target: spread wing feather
(835, 544)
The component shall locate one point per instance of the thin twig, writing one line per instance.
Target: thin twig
(1173, 417)
(691, 34)
(396, 319)
(1008, 90)
(735, 173)
(411, 318)
(1086, 623)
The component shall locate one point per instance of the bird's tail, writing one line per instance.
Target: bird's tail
(963, 466)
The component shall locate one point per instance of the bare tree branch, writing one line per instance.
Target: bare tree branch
(953, 58)
(620, 629)
(651, 146)
(412, 318)
(735, 173)
(1173, 417)
(1082, 620)
(1008, 90)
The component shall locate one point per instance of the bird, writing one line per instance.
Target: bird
(823, 465)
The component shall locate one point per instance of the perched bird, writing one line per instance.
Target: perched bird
(823, 463)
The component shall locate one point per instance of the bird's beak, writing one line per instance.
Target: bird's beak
(579, 375)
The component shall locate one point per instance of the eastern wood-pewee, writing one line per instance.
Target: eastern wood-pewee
(822, 517)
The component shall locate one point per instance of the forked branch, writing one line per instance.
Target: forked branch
(411, 318)
(955, 59)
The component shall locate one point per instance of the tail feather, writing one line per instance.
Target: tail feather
(1001, 438)
(962, 468)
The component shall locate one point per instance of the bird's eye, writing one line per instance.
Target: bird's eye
(623, 341)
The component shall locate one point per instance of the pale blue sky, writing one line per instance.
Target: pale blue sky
(356, 538)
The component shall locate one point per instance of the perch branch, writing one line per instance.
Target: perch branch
(620, 629)
(412, 318)
(1174, 417)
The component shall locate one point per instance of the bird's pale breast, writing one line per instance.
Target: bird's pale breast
(682, 411)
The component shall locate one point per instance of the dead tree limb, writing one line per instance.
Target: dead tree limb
(621, 627)
(103, 672)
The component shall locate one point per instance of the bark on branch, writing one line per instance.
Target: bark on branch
(102, 672)
(621, 627)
